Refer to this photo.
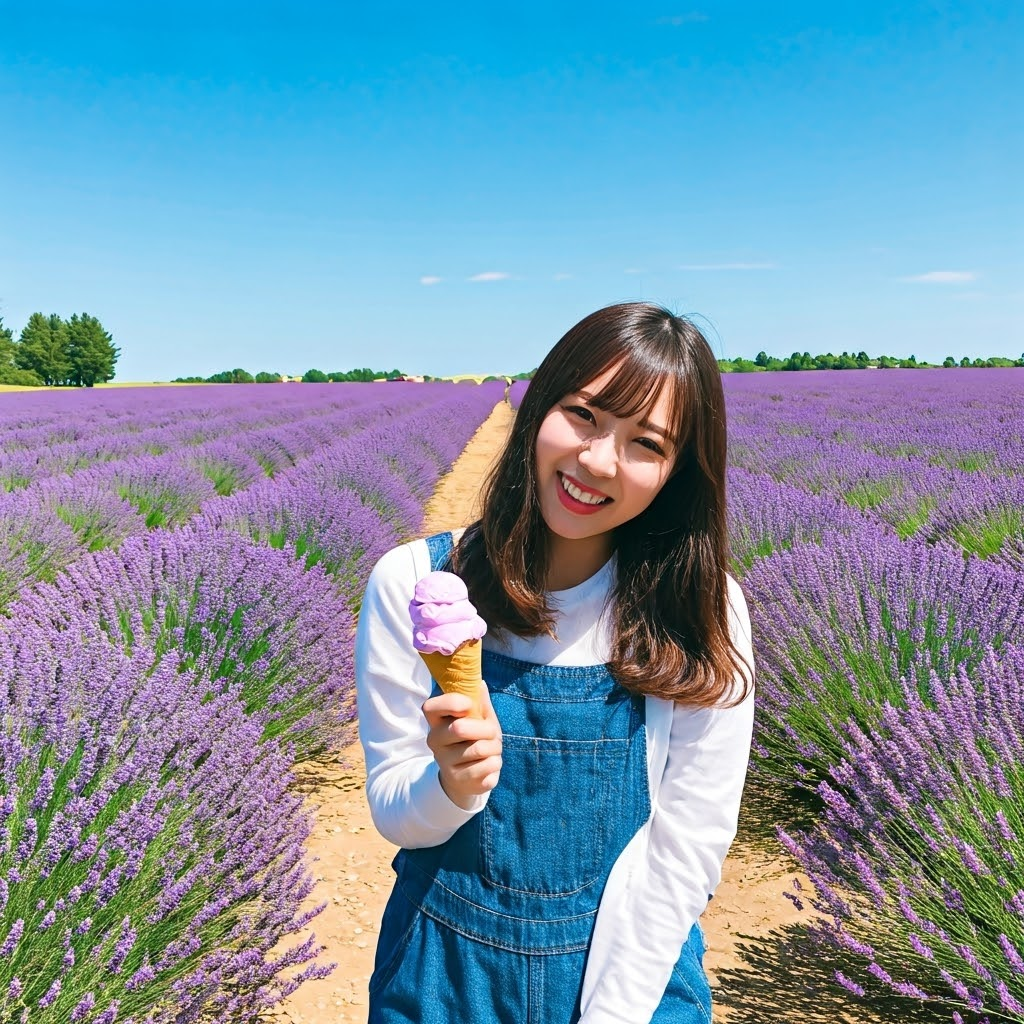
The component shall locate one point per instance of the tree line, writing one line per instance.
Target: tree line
(846, 361)
(75, 353)
(239, 376)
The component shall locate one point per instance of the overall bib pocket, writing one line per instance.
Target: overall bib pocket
(544, 828)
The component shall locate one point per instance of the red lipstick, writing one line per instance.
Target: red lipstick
(579, 507)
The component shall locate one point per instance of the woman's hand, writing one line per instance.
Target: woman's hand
(467, 750)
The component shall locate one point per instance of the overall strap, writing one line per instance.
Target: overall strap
(440, 547)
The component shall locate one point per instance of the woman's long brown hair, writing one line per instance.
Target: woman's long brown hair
(670, 612)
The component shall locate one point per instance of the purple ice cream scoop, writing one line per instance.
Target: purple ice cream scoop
(443, 617)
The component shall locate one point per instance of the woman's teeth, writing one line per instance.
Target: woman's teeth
(587, 499)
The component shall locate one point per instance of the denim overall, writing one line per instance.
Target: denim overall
(493, 926)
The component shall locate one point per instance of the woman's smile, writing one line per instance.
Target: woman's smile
(579, 498)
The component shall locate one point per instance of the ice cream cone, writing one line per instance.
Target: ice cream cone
(459, 673)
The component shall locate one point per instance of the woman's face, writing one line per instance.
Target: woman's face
(595, 470)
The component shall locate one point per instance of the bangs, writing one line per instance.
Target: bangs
(637, 385)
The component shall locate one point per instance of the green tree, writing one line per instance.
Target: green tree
(799, 362)
(315, 377)
(741, 365)
(235, 376)
(59, 339)
(91, 351)
(22, 378)
(362, 374)
(948, 362)
(43, 349)
(761, 359)
(7, 346)
(264, 377)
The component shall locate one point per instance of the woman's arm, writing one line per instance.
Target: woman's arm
(663, 880)
(407, 803)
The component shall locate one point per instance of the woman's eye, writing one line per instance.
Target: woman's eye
(582, 411)
(649, 442)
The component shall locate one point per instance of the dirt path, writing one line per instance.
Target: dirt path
(353, 863)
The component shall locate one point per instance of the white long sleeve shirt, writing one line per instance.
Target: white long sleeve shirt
(696, 761)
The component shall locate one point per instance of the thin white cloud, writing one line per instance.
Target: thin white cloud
(563, 277)
(943, 277)
(675, 20)
(727, 266)
(430, 279)
(490, 275)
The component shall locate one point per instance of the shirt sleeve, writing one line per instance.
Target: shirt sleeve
(403, 788)
(663, 881)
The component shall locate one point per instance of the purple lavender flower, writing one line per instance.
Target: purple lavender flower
(943, 860)
(34, 544)
(837, 628)
(145, 765)
(239, 614)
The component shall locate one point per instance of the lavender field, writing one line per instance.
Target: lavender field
(878, 529)
(179, 571)
(179, 575)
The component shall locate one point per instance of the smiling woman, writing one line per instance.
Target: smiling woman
(615, 727)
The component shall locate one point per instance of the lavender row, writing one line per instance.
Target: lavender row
(891, 677)
(917, 859)
(516, 391)
(344, 509)
(52, 417)
(839, 625)
(152, 855)
(980, 512)
(939, 458)
(34, 454)
(48, 525)
(961, 419)
(890, 684)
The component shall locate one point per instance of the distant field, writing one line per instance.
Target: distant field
(112, 384)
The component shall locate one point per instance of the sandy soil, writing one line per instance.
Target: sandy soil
(353, 862)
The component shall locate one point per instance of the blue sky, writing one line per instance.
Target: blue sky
(446, 189)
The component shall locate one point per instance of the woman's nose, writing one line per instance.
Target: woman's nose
(599, 456)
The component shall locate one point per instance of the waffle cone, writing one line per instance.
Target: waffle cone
(459, 673)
